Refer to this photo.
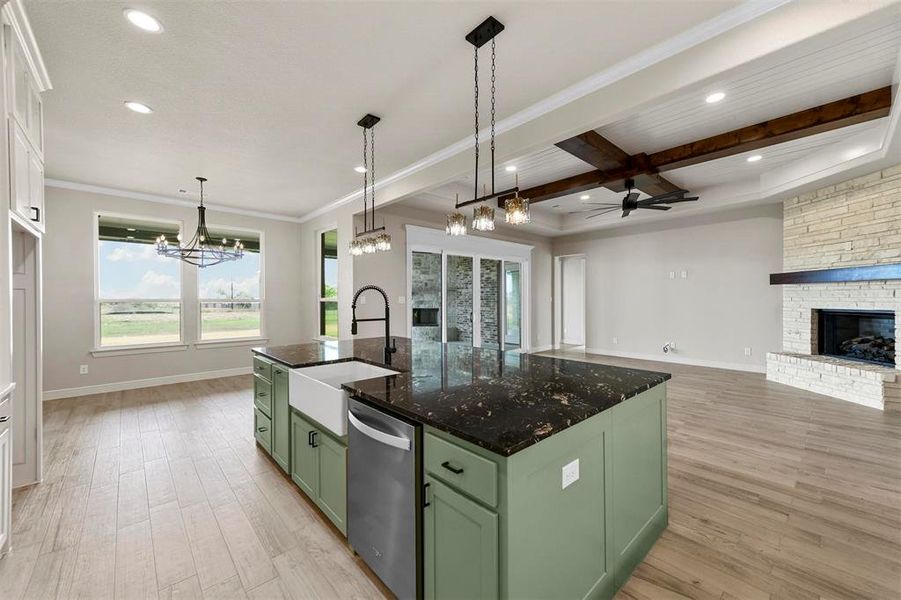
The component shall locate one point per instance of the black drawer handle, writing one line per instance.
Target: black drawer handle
(262, 429)
(4, 418)
(454, 470)
(37, 214)
(262, 394)
(425, 495)
(311, 439)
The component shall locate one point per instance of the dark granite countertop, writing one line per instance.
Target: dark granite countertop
(502, 401)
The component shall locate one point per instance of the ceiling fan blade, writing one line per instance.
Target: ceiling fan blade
(601, 213)
(632, 197)
(692, 199)
(657, 207)
(626, 212)
(667, 195)
(601, 204)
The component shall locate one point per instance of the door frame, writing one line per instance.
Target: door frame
(558, 298)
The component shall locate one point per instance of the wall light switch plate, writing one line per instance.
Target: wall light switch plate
(672, 274)
(570, 473)
(684, 274)
(748, 351)
(615, 340)
(82, 369)
(401, 300)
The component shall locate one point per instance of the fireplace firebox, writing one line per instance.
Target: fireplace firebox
(857, 335)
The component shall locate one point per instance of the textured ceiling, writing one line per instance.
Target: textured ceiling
(262, 97)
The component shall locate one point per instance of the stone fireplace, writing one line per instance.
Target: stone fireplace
(838, 336)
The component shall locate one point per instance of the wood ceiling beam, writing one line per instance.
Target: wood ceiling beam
(861, 108)
(864, 107)
(604, 155)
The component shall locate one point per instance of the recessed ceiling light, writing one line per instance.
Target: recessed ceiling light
(181, 191)
(138, 107)
(360, 169)
(754, 158)
(556, 206)
(715, 97)
(129, 237)
(585, 197)
(143, 21)
(130, 229)
(510, 168)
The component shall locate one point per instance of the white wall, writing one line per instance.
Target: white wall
(572, 280)
(723, 305)
(69, 293)
(388, 271)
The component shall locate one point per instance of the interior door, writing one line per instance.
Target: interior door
(512, 305)
(25, 356)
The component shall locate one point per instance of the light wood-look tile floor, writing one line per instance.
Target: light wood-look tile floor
(774, 494)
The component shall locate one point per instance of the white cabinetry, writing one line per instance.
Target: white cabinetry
(5, 468)
(25, 130)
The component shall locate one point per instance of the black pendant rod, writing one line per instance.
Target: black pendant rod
(486, 31)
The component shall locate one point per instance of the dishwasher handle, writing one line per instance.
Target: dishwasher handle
(401, 443)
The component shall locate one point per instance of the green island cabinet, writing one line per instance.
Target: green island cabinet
(319, 467)
(505, 527)
(272, 420)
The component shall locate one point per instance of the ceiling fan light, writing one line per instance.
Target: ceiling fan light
(483, 218)
(456, 224)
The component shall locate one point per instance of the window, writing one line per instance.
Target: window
(328, 283)
(229, 293)
(138, 292)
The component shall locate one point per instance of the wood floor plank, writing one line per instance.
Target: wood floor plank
(160, 487)
(187, 484)
(187, 589)
(171, 551)
(252, 561)
(132, 502)
(211, 555)
(135, 568)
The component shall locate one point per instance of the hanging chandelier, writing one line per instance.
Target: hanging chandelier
(201, 250)
(456, 223)
(371, 239)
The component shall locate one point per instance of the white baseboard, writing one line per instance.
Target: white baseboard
(681, 360)
(544, 348)
(119, 386)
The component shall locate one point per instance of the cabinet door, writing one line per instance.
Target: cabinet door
(332, 497)
(304, 459)
(19, 193)
(5, 488)
(460, 545)
(281, 419)
(36, 193)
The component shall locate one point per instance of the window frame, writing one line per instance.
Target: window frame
(319, 280)
(150, 346)
(262, 299)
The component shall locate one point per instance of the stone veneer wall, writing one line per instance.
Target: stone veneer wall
(489, 301)
(854, 223)
(426, 291)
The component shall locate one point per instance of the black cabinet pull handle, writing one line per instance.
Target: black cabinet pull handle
(313, 435)
(262, 394)
(4, 418)
(37, 213)
(454, 470)
(262, 429)
(425, 495)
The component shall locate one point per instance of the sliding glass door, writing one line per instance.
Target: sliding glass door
(472, 300)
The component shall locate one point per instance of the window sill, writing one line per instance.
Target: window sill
(325, 338)
(147, 349)
(230, 343)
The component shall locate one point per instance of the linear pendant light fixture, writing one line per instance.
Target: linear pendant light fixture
(483, 215)
(371, 239)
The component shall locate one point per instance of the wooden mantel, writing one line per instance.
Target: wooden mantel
(886, 272)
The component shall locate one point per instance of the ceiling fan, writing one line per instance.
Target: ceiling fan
(631, 202)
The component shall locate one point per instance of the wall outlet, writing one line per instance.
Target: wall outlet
(401, 300)
(82, 369)
(684, 274)
(615, 340)
(748, 351)
(570, 473)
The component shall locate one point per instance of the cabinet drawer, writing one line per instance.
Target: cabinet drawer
(262, 429)
(262, 367)
(464, 470)
(262, 395)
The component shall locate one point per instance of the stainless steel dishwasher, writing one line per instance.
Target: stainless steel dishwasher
(384, 496)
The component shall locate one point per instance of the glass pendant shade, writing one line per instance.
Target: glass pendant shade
(483, 218)
(383, 242)
(517, 210)
(456, 224)
(355, 248)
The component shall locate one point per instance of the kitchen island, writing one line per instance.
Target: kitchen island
(542, 477)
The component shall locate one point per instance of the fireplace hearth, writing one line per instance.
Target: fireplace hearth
(857, 335)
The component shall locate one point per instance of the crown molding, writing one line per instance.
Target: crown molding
(741, 14)
(108, 191)
(18, 21)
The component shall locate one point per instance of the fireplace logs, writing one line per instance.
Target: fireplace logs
(872, 348)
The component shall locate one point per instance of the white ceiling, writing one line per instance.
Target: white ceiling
(262, 97)
(849, 60)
